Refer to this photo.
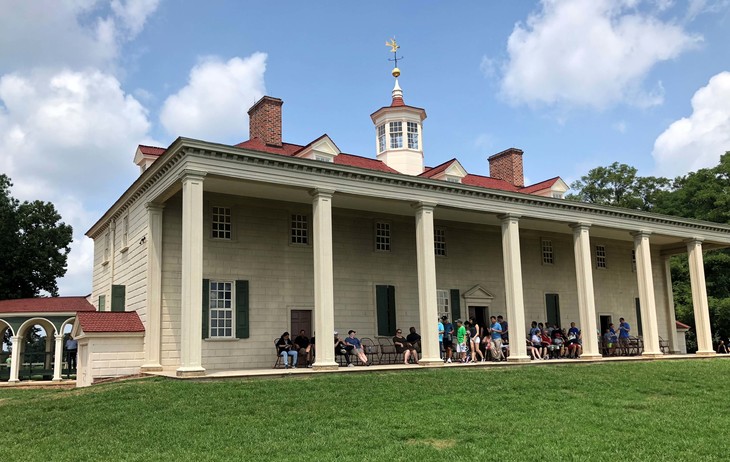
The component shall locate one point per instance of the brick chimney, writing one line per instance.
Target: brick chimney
(507, 166)
(264, 120)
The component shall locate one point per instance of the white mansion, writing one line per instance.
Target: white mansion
(219, 249)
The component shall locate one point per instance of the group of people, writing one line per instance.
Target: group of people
(472, 342)
(614, 342)
(290, 351)
(552, 342)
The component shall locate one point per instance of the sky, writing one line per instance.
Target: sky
(575, 84)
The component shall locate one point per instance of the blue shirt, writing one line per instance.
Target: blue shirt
(440, 330)
(353, 341)
(623, 330)
(496, 335)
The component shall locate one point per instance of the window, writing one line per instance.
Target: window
(453, 179)
(412, 135)
(299, 229)
(557, 195)
(107, 243)
(221, 223)
(396, 135)
(221, 309)
(118, 297)
(323, 158)
(439, 242)
(547, 252)
(601, 256)
(102, 302)
(633, 261)
(443, 302)
(125, 233)
(381, 138)
(382, 236)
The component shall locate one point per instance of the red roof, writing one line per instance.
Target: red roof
(151, 150)
(256, 144)
(540, 186)
(431, 172)
(397, 102)
(681, 325)
(363, 162)
(488, 182)
(46, 305)
(107, 321)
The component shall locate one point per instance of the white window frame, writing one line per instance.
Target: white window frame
(107, 246)
(633, 261)
(322, 158)
(381, 137)
(601, 260)
(383, 236)
(227, 330)
(396, 134)
(548, 252)
(412, 135)
(439, 242)
(221, 230)
(443, 302)
(125, 234)
(299, 229)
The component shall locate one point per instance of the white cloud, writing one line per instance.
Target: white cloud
(589, 53)
(213, 104)
(68, 33)
(69, 138)
(699, 140)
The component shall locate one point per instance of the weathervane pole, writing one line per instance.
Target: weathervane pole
(394, 48)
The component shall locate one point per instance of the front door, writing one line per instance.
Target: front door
(605, 322)
(480, 314)
(301, 319)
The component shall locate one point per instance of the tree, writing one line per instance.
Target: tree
(34, 246)
(618, 185)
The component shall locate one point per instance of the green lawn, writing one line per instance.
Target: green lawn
(662, 410)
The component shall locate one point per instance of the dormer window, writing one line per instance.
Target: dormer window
(381, 138)
(396, 135)
(323, 158)
(453, 179)
(412, 135)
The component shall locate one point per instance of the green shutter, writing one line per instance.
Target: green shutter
(242, 318)
(102, 302)
(206, 305)
(639, 329)
(385, 307)
(118, 293)
(552, 305)
(455, 305)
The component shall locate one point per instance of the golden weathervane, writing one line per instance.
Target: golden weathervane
(394, 49)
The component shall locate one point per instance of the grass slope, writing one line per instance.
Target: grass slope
(663, 410)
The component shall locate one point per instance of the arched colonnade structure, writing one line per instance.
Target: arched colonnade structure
(53, 314)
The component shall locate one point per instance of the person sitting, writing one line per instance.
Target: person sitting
(357, 347)
(576, 336)
(342, 348)
(403, 346)
(301, 341)
(532, 350)
(414, 338)
(722, 348)
(286, 349)
(549, 350)
(559, 341)
(536, 343)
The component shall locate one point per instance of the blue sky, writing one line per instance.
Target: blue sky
(574, 83)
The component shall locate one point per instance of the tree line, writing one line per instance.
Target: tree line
(702, 195)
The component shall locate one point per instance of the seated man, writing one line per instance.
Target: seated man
(357, 347)
(413, 337)
(403, 346)
(302, 343)
(286, 349)
(342, 348)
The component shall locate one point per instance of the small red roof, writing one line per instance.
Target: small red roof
(151, 150)
(540, 186)
(46, 305)
(397, 102)
(108, 321)
(681, 325)
(362, 162)
(430, 172)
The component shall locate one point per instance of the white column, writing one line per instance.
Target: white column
(191, 324)
(514, 297)
(645, 279)
(15, 358)
(427, 308)
(586, 295)
(671, 317)
(699, 297)
(154, 288)
(58, 358)
(324, 294)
